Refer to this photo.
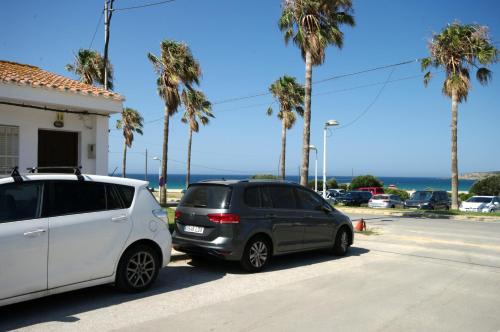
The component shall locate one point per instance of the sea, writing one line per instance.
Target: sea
(178, 181)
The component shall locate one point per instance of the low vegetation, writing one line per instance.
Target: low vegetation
(365, 181)
(403, 194)
(330, 184)
(487, 187)
(264, 177)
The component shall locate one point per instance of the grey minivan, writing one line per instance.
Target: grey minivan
(251, 221)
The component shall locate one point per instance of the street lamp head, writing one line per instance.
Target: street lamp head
(330, 123)
(312, 147)
(156, 158)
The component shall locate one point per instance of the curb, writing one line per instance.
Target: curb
(415, 214)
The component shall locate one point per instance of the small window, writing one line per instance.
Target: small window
(20, 201)
(265, 198)
(283, 197)
(9, 148)
(207, 196)
(72, 197)
(252, 197)
(113, 200)
(308, 200)
(126, 194)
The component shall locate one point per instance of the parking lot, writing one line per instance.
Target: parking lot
(408, 274)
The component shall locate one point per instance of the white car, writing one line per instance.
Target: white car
(60, 232)
(387, 201)
(481, 204)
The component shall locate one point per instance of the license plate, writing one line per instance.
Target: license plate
(194, 229)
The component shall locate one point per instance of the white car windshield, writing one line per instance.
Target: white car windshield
(479, 200)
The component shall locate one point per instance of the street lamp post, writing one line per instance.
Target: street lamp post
(159, 170)
(329, 123)
(315, 149)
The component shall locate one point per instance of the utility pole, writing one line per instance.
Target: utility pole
(108, 12)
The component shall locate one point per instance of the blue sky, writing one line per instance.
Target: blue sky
(405, 132)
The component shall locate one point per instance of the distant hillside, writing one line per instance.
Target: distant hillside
(477, 175)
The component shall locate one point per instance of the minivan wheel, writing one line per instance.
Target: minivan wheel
(341, 244)
(138, 269)
(256, 255)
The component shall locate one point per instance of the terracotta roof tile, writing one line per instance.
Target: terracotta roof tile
(13, 72)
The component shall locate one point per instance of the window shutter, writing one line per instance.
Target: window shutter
(9, 148)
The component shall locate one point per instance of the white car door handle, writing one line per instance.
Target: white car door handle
(35, 233)
(119, 219)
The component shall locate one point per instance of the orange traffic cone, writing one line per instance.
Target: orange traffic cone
(361, 225)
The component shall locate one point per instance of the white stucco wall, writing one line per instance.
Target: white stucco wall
(92, 129)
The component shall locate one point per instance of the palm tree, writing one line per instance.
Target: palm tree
(313, 25)
(458, 49)
(290, 96)
(89, 65)
(131, 122)
(197, 108)
(175, 66)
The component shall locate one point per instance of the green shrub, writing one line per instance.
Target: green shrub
(365, 181)
(344, 186)
(464, 196)
(330, 184)
(402, 193)
(265, 177)
(487, 187)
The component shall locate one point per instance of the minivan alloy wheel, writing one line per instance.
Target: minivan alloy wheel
(258, 254)
(140, 269)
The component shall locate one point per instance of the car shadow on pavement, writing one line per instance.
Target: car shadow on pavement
(64, 307)
(277, 263)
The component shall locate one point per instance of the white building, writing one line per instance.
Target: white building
(48, 120)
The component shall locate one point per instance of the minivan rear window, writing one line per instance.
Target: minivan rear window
(207, 196)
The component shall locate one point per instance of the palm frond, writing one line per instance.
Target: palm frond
(484, 75)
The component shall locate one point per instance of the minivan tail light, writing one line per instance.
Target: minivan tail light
(224, 218)
(177, 215)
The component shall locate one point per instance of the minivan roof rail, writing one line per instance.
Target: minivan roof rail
(209, 180)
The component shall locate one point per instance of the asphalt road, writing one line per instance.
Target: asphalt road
(408, 275)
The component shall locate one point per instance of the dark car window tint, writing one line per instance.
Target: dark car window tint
(20, 201)
(265, 198)
(113, 200)
(126, 194)
(71, 197)
(207, 196)
(252, 197)
(283, 197)
(308, 200)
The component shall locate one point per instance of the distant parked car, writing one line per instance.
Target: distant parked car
(252, 220)
(385, 201)
(428, 200)
(372, 190)
(481, 204)
(61, 232)
(354, 198)
(337, 191)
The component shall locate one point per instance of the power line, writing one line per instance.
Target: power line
(96, 28)
(143, 6)
(369, 105)
(314, 95)
(320, 81)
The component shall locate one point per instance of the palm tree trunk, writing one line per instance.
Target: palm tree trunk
(454, 158)
(283, 148)
(124, 165)
(188, 171)
(304, 170)
(163, 189)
